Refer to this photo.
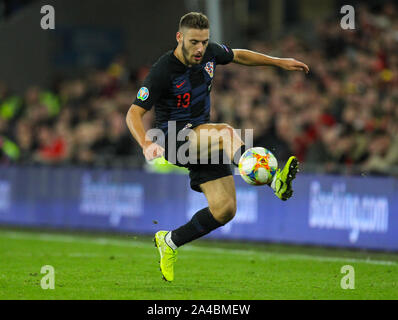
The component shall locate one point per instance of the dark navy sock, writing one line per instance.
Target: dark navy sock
(201, 224)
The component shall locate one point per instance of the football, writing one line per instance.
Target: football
(257, 166)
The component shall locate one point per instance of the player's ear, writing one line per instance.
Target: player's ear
(179, 37)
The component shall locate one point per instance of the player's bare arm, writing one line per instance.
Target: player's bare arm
(251, 58)
(136, 126)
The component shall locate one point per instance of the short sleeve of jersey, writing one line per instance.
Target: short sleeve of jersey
(223, 53)
(151, 89)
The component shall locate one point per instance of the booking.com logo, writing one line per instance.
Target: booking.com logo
(201, 146)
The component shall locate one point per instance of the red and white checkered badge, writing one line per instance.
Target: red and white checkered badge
(210, 69)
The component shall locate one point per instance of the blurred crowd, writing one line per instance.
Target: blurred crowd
(343, 115)
(79, 122)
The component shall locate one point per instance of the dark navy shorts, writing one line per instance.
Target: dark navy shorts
(201, 173)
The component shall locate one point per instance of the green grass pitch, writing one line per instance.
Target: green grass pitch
(98, 266)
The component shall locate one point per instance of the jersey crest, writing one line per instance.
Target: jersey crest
(210, 69)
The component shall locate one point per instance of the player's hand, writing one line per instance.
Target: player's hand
(152, 151)
(294, 65)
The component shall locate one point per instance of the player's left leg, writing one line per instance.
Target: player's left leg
(209, 138)
(221, 197)
(282, 183)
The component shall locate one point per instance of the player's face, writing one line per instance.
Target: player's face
(194, 43)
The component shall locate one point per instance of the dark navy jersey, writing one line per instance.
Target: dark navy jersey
(180, 93)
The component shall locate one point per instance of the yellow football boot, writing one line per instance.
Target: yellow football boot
(167, 256)
(283, 179)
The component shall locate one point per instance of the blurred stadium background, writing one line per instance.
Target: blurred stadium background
(64, 93)
(69, 162)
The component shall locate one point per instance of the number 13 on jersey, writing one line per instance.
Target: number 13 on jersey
(183, 100)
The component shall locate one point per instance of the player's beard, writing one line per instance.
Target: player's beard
(186, 56)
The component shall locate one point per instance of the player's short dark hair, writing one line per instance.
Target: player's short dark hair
(194, 20)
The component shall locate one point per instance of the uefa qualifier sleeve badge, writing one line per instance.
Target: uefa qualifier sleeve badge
(143, 94)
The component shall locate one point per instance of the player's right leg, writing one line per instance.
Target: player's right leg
(221, 197)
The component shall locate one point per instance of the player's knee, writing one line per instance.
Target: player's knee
(227, 130)
(224, 210)
(226, 133)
